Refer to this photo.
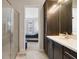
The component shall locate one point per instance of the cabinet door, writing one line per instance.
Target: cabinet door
(57, 51)
(50, 49)
(46, 45)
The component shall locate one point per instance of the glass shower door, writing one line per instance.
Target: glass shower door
(10, 28)
(6, 17)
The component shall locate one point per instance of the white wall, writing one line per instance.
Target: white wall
(41, 21)
(21, 31)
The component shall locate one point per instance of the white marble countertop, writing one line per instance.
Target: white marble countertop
(70, 43)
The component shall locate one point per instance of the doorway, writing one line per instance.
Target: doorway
(31, 31)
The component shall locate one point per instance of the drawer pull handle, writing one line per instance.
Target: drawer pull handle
(70, 55)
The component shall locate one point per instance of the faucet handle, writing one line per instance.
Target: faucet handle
(66, 33)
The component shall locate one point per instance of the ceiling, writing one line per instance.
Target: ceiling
(27, 2)
(20, 4)
(39, 3)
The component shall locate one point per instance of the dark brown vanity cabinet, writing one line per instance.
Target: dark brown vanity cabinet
(55, 50)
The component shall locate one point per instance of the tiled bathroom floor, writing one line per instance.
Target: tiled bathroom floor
(33, 52)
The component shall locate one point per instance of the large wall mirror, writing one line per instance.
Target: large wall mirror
(68, 17)
(65, 16)
(60, 17)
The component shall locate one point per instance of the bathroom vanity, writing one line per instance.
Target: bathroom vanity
(57, 47)
(58, 19)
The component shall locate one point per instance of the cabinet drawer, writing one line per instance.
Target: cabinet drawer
(69, 54)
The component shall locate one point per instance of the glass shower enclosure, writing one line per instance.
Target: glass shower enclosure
(10, 33)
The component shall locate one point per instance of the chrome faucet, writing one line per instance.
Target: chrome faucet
(66, 35)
